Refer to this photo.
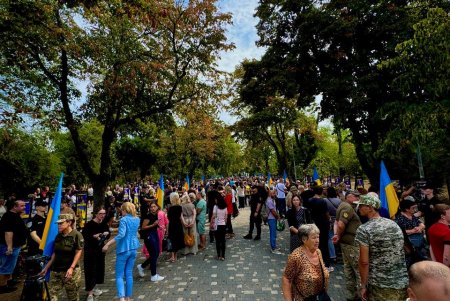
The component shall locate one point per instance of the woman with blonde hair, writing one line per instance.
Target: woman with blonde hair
(175, 226)
(127, 244)
(188, 218)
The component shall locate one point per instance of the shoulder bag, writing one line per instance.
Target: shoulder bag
(322, 296)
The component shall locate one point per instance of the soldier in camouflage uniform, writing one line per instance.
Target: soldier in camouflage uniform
(66, 272)
(381, 257)
(345, 226)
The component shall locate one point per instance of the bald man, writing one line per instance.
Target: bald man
(429, 280)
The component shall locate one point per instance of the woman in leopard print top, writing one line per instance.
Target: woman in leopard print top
(305, 274)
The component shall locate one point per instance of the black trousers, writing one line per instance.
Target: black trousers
(94, 268)
(255, 221)
(220, 240)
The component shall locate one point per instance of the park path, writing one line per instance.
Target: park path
(249, 273)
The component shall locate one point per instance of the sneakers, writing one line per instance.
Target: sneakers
(90, 298)
(330, 269)
(248, 236)
(276, 251)
(97, 292)
(257, 238)
(141, 270)
(156, 278)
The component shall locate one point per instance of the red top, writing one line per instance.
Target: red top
(229, 202)
(439, 235)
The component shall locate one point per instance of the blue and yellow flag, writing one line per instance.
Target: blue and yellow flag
(284, 175)
(388, 196)
(269, 180)
(316, 177)
(187, 183)
(51, 228)
(160, 192)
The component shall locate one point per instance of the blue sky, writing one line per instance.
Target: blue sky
(243, 34)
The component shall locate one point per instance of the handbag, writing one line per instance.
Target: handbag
(189, 239)
(281, 225)
(322, 296)
(167, 244)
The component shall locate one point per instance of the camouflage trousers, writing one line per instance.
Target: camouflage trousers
(350, 256)
(72, 286)
(376, 293)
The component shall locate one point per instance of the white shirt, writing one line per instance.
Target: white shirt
(280, 190)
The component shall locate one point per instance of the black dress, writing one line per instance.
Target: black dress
(94, 258)
(176, 235)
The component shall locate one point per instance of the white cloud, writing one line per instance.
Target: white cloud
(242, 33)
(244, 36)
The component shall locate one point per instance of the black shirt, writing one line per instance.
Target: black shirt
(12, 222)
(38, 225)
(90, 229)
(319, 210)
(426, 206)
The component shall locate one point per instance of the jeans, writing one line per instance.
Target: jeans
(124, 266)
(273, 233)
(152, 245)
(331, 245)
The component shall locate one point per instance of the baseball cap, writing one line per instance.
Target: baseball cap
(354, 192)
(369, 200)
(64, 217)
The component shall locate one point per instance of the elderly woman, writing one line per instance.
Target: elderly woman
(305, 276)
(297, 216)
(188, 218)
(413, 227)
(126, 250)
(175, 227)
(66, 271)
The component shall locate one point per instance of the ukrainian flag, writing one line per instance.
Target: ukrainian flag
(187, 183)
(388, 196)
(51, 228)
(316, 177)
(160, 192)
(269, 180)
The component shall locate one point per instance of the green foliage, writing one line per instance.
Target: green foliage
(140, 59)
(334, 48)
(25, 162)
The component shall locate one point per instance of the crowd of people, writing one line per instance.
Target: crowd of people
(323, 222)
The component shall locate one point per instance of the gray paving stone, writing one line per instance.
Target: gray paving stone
(249, 273)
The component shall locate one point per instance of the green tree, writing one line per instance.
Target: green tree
(266, 117)
(422, 68)
(140, 58)
(333, 49)
(25, 162)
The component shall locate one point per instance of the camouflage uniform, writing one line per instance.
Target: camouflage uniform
(350, 250)
(387, 268)
(58, 282)
(65, 250)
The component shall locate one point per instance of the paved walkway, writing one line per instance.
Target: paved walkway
(250, 272)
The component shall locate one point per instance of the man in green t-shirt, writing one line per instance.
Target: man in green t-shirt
(345, 226)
